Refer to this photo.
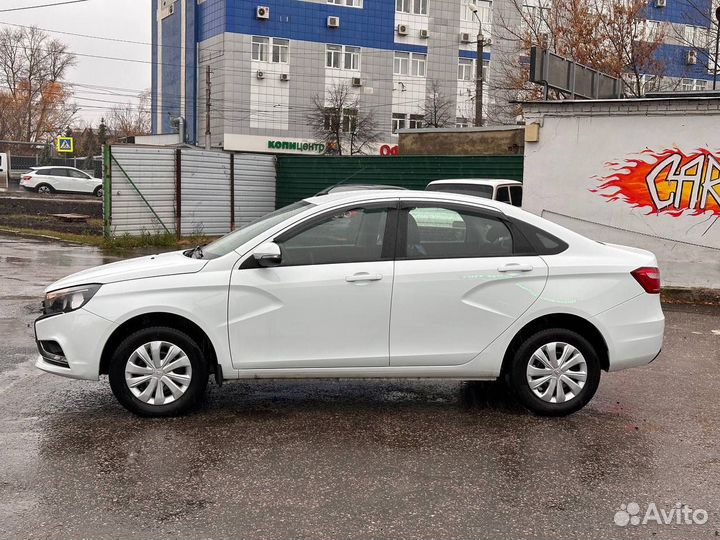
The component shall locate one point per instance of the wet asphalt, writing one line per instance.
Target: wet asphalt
(348, 459)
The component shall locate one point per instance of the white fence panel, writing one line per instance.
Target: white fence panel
(205, 197)
(254, 187)
(152, 170)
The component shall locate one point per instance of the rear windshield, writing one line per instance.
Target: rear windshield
(486, 192)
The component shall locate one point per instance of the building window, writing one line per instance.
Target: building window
(260, 48)
(693, 85)
(419, 7)
(416, 121)
(348, 3)
(349, 120)
(398, 121)
(280, 48)
(466, 70)
(696, 36)
(484, 11)
(352, 58)
(342, 57)
(409, 64)
(270, 50)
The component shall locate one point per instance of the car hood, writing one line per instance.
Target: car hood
(165, 264)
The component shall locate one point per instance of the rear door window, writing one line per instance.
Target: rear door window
(59, 172)
(516, 193)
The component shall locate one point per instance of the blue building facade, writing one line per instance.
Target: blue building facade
(269, 60)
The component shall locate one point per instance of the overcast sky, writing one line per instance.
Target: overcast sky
(118, 19)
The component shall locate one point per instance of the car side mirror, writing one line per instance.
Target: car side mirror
(268, 254)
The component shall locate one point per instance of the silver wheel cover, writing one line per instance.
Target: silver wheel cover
(158, 373)
(556, 372)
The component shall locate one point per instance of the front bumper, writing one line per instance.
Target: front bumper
(81, 335)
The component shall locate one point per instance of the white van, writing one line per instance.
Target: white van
(497, 189)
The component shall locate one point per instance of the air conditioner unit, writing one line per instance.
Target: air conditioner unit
(262, 12)
(356, 81)
(284, 77)
(402, 29)
(424, 34)
(333, 22)
(660, 3)
(260, 74)
(691, 58)
(465, 37)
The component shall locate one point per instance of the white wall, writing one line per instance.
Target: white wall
(583, 146)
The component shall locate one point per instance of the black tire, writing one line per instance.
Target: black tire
(517, 376)
(98, 191)
(196, 388)
(50, 189)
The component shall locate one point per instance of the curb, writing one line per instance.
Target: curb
(696, 296)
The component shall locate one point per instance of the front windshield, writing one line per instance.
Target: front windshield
(223, 246)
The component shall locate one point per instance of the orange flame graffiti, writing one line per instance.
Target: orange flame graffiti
(670, 182)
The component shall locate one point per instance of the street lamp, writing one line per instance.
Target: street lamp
(478, 67)
(717, 46)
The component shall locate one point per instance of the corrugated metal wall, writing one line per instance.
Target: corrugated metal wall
(299, 177)
(205, 195)
(254, 187)
(152, 170)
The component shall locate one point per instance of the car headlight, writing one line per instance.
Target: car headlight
(70, 299)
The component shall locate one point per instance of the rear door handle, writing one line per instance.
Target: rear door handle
(515, 267)
(363, 276)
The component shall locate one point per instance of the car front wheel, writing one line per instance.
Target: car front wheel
(98, 191)
(555, 372)
(158, 371)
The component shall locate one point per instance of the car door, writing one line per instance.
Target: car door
(463, 275)
(327, 305)
(81, 182)
(59, 179)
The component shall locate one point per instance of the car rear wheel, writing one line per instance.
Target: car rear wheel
(555, 372)
(98, 191)
(158, 371)
(45, 188)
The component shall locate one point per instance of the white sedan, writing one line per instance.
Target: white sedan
(61, 179)
(363, 284)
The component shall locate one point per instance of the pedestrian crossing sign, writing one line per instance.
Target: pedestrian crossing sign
(65, 144)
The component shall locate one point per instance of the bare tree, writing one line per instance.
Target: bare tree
(130, 119)
(612, 36)
(438, 109)
(35, 102)
(338, 119)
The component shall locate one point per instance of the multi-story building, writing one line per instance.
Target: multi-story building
(264, 62)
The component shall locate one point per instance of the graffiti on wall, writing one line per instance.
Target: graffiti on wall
(669, 181)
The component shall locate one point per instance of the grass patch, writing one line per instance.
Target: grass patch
(123, 242)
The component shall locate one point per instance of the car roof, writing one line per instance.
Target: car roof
(52, 167)
(482, 181)
(333, 199)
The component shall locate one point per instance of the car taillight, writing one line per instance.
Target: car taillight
(649, 279)
(27, 177)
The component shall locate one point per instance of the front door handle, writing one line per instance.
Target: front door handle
(515, 267)
(363, 276)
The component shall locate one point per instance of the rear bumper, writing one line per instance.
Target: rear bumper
(633, 331)
(81, 335)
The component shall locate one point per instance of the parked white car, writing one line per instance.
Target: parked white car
(503, 190)
(363, 284)
(61, 179)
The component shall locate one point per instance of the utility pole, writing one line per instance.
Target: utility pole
(478, 68)
(208, 92)
(717, 47)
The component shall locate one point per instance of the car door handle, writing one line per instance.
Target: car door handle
(515, 267)
(363, 276)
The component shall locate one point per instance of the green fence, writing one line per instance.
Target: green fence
(299, 177)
